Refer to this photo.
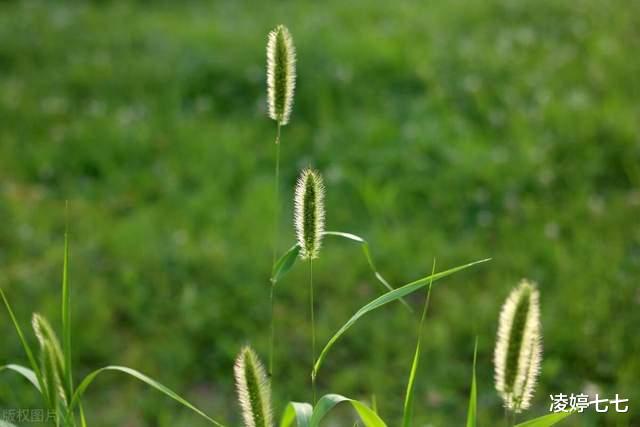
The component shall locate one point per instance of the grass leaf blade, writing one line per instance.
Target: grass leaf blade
(367, 254)
(385, 299)
(408, 402)
(329, 401)
(285, 263)
(25, 372)
(300, 412)
(145, 379)
(25, 345)
(66, 318)
(473, 394)
(546, 421)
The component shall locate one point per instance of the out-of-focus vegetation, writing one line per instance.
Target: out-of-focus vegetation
(454, 130)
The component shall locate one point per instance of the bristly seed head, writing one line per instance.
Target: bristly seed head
(309, 213)
(281, 74)
(46, 336)
(518, 352)
(254, 390)
(50, 357)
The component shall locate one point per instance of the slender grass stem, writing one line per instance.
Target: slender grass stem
(426, 305)
(408, 402)
(273, 330)
(276, 192)
(510, 417)
(313, 330)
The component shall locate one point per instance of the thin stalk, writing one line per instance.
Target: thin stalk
(276, 192)
(273, 330)
(408, 402)
(426, 307)
(313, 330)
(510, 417)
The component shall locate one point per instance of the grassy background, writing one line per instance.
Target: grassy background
(454, 130)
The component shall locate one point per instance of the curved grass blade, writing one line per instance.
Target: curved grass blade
(329, 401)
(25, 372)
(473, 394)
(367, 254)
(369, 417)
(546, 421)
(408, 401)
(385, 299)
(298, 412)
(284, 263)
(145, 379)
(25, 345)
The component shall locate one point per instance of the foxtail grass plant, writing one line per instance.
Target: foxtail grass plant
(518, 351)
(309, 219)
(50, 371)
(281, 83)
(254, 390)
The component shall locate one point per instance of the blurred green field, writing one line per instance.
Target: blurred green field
(447, 130)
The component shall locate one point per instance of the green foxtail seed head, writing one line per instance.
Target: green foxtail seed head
(50, 357)
(518, 352)
(254, 390)
(309, 213)
(281, 74)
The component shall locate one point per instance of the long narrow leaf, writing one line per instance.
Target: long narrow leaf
(546, 421)
(298, 412)
(329, 401)
(25, 372)
(66, 318)
(408, 401)
(383, 300)
(367, 254)
(369, 417)
(25, 345)
(145, 379)
(83, 421)
(473, 394)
